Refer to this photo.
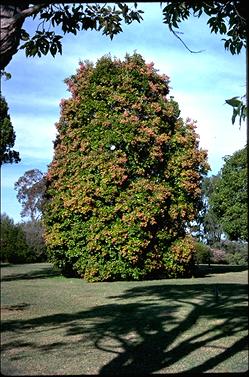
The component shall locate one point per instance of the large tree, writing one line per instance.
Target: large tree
(7, 136)
(225, 17)
(125, 179)
(229, 198)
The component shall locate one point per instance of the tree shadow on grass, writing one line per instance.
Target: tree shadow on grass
(160, 348)
(42, 273)
(152, 328)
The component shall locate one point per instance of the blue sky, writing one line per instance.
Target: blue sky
(200, 83)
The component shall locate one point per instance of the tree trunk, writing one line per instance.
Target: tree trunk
(11, 24)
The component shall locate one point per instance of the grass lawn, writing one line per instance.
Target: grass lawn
(57, 326)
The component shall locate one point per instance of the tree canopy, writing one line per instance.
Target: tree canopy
(126, 175)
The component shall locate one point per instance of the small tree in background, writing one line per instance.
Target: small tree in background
(7, 136)
(211, 225)
(30, 193)
(126, 176)
(34, 235)
(229, 199)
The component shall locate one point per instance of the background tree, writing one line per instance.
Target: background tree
(7, 136)
(206, 228)
(227, 18)
(211, 225)
(229, 199)
(30, 193)
(34, 235)
(22, 242)
(126, 176)
(13, 242)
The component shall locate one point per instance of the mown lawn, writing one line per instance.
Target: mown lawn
(57, 326)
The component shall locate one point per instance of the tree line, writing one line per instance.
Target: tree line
(22, 242)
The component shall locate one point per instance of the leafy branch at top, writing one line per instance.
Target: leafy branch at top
(239, 108)
(72, 19)
(226, 18)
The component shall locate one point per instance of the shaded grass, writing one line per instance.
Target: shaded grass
(57, 326)
(27, 271)
(204, 269)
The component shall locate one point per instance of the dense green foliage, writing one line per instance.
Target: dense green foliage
(230, 252)
(7, 136)
(13, 243)
(229, 199)
(126, 175)
(22, 242)
(202, 253)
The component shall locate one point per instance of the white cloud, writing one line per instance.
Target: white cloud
(34, 136)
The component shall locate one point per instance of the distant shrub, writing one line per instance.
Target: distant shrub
(234, 252)
(237, 253)
(218, 256)
(237, 259)
(202, 253)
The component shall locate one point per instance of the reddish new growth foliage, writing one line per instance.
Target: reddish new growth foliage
(125, 179)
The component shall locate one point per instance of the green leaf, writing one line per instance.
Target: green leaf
(223, 28)
(235, 113)
(53, 49)
(24, 35)
(234, 102)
